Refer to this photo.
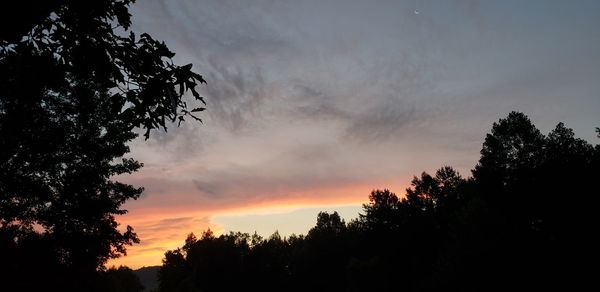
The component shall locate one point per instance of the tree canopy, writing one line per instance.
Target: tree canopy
(76, 84)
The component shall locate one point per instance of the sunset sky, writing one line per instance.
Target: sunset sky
(312, 104)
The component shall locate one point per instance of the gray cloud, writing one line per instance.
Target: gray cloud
(311, 103)
(382, 122)
(302, 169)
(308, 99)
(236, 96)
(235, 53)
(313, 91)
(271, 179)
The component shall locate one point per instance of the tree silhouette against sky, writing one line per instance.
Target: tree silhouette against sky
(76, 84)
(76, 87)
(524, 220)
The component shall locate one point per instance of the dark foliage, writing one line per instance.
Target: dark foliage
(75, 83)
(121, 279)
(525, 220)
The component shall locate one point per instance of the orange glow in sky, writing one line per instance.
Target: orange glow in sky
(165, 229)
(305, 113)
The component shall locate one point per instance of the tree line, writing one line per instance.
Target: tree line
(525, 219)
(77, 85)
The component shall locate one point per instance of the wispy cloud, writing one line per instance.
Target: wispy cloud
(309, 100)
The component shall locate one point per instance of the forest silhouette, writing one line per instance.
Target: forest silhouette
(524, 220)
(76, 87)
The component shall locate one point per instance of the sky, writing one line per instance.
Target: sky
(313, 104)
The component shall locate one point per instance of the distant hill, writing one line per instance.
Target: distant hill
(149, 277)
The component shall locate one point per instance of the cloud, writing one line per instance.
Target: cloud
(158, 233)
(236, 96)
(324, 100)
(304, 169)
(387, 103)
(309, 102)
(170, 223)
(152, 249)
(245, 58)
(152, 228)
(382, 122)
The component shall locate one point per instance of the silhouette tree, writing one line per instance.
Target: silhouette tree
(121, 279)
(429, 193)
(510, 153)
(318, 264)
(327, 224)
(23, 16)
(74, 88)
(266, 267)
(524, 223)
(382, 210)
(173, 274)
(525, 220)
(562, 218)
